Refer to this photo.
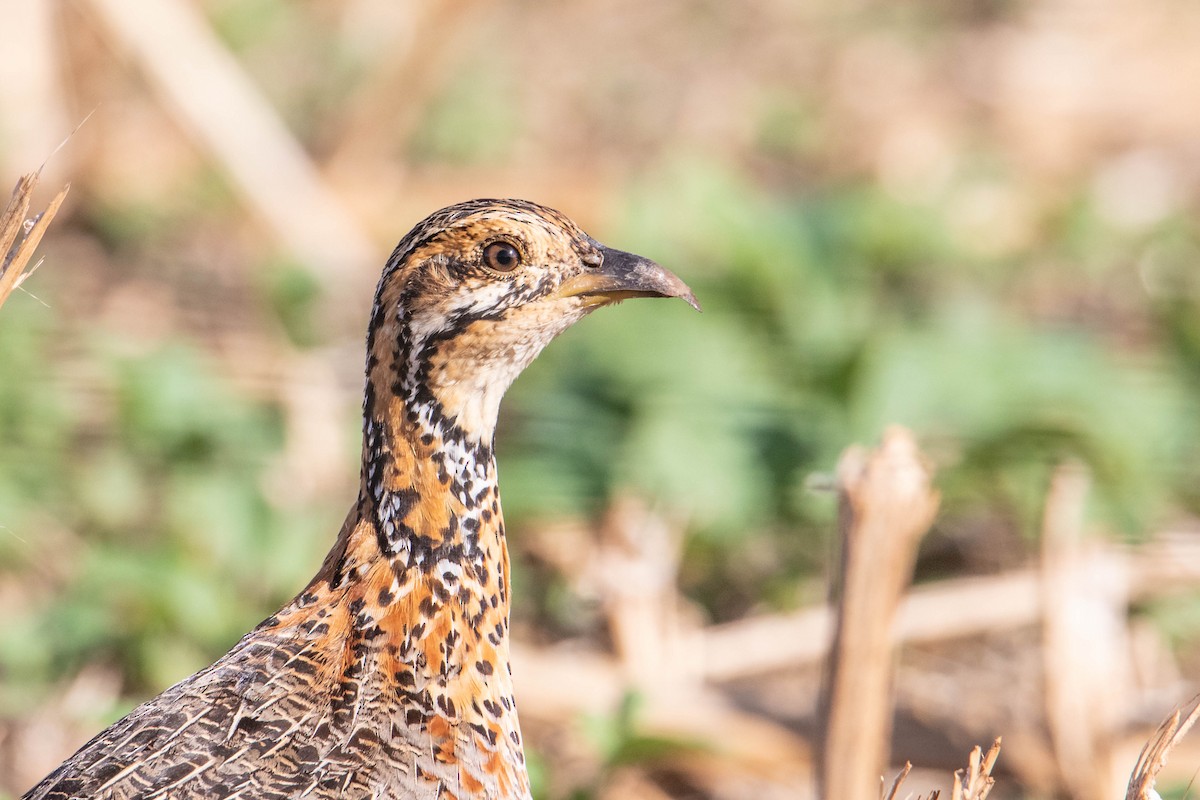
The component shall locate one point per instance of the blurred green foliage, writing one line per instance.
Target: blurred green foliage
(618, 742)
(827, 317)
(471, 122)
(133, 503)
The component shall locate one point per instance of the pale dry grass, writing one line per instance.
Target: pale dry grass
(1154, 755)
(20, 234)
(972, 783)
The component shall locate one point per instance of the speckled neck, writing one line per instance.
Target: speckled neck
(421, 570)
(429, 490)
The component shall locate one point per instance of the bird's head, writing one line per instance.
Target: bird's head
(475, 291)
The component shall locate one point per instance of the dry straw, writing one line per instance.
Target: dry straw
(1154, 755)
(20, 234)
(973, 783)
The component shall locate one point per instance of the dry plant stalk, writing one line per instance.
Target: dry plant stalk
(978, 774)
(893, 794)
(1085, 639)
(1154, 755)
(208, 92)
(19, 235)
(887, 505)
(973, 783)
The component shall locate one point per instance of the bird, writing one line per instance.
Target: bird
(388, 675)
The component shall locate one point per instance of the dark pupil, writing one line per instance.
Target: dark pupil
(504, 256)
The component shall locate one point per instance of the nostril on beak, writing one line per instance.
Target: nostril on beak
(594, 259)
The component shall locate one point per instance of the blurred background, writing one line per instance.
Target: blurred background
(974, 218)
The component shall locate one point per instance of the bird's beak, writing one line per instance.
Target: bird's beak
(623, 275)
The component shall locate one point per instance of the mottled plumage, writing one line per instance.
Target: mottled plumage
(388, 675)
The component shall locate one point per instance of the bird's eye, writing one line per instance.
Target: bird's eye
(502, 256)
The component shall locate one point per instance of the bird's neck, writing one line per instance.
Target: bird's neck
(429, 511)
(429, 490)
(420, 577)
